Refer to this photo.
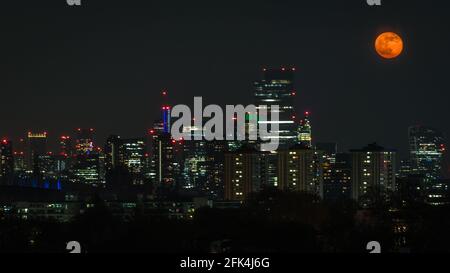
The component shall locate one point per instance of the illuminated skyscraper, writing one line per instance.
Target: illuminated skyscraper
(6, 162)
(427, 148)
(132, 157)
(65, 146)
(373, 174)
(305, 132)
(112, 152)
(86, 169)
(47, 167)
(66, 152)
(19, 156)
(36, 146)
(277, 88)
(164, 158)
(84, 141)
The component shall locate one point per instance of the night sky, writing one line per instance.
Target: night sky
(104, 64)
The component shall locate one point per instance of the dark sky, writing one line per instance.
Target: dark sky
(104, 64)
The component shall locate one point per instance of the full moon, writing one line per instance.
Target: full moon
(389, 45)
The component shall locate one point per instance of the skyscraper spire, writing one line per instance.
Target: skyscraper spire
(165, 112)
(304, 131)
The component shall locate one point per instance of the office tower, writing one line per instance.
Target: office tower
(6, 162)
(47, 166)
(305, 132)
(132, 157)
(166, 109)
(337, 178)
(66, 146)
(19, 156)
(373, 174)
(405, 169)
(86, 169)
(438, 194)
(277, 88)
(84, 140)
(427, 147)
(194, 164)
(64, 159)
(213, 187)
(244, 173)
(300, 169)
(152, 143)
(111, 152)
(164, 159)
(36, 146)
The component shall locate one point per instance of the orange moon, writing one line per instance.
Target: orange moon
(389, 45)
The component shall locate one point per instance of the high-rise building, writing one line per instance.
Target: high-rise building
(66, 146)
(277, 88)
(111, 151)
(244, 173)
(300, 169)
(66, 152)
(6, 162)
(84, 140)
(86, 169)
(373, 174)
(132, 157)
(213, 187)
(427, 147)
(19, 156)
(36, 146)
(438, 194)
(47, 166)
(337, 178)
(164, 159)
(305, 131)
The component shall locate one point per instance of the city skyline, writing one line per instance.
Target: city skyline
(144, 54)
(224, 127)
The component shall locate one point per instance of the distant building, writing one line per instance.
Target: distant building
(411, 189)
(66, 147)
(84, 140)
(47, 166)
(305, 131)
(427, 147)
(373, 174)
(6, 162)
(439, 193)
(203, 167)
(329, 151)
(86, 169)
(337, 182)
(36, 146)
(245, 173)
(164, 159)
(300, 169)
(277, 88)
(111, 151)
(19, 156)
(132, 157)
(213, 187)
